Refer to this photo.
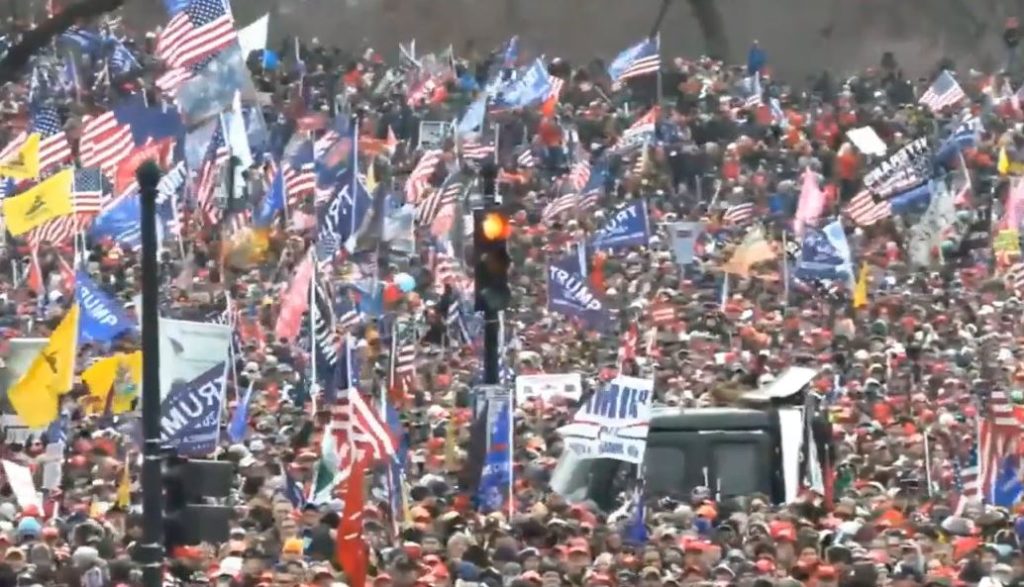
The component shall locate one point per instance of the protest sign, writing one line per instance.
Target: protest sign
(613, 423)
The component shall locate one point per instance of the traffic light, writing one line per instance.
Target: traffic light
(188, 516)
(491, 230)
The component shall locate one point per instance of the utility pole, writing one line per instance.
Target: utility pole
(150, 553)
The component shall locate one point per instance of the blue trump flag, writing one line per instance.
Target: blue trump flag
(532, 88)
(628, 227)
(273, 201)
(201, 400)
(240, 419)
(825, 254)
(497, 472)
(570, 294)
(102, 318)
(120, 222)
(1007, 487)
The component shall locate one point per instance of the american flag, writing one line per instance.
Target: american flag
(477, 150)
(944, 91)
(209, 175)
(299, 182)
(204, 28)
(89, 197)
(434, 204)
(640, 132)
(739, 213)
(53, 143)
(641, 59)
(104, 142)
(579, 175)
(448, 271)
(557, 84)
(353, 421)
(87, 191)
(419, 179)
(1015, 277)
(349, 316)
(526, 159)
(752, 86)
(403, 357)
(865, 210)
(559, 206)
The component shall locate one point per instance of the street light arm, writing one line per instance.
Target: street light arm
(37, 39)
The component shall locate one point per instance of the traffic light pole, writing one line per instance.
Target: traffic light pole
(492, 347)
(150, 553)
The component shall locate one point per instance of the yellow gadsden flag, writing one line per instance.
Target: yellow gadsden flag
(36, 396)
(24, 163)
(120, 375)
(48, 200)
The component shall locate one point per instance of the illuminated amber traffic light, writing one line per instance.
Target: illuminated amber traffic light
(491, 230)
(495, 226)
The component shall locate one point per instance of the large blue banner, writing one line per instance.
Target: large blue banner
(570, 294)
(497, 472)
(101, 318)
(628, 227)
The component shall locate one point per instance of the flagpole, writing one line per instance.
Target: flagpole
(312, 336)
(497, 136)
(785, 270)
(661, 89)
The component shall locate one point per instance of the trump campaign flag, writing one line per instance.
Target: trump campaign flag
(628, 227)
(825, 254)
(496, 477)
(569, 293)
(102, 318)
(613, 423)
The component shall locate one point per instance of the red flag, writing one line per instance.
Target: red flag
(159, 151)
(34, 279)
(351, 549)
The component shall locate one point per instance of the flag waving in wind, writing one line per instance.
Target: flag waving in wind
(644, 58)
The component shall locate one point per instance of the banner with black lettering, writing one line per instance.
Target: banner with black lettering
(193, 372)
(613, 423)
(907, 168)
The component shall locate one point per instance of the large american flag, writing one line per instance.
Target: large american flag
(579, 175)
(217, 154)
(641, 59)
(104, 142)
(944, 91)
(54, 149)
(204, 28)
(419, 179)
(865, 209)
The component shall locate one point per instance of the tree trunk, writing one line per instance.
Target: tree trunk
(712, 26)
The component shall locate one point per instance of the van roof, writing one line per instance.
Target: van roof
(675, 418)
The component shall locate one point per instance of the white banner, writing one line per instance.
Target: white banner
(22, 485)
(194, 359)
(613, 423)
(547, 386)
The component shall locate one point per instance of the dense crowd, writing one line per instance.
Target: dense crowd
(919, 367)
